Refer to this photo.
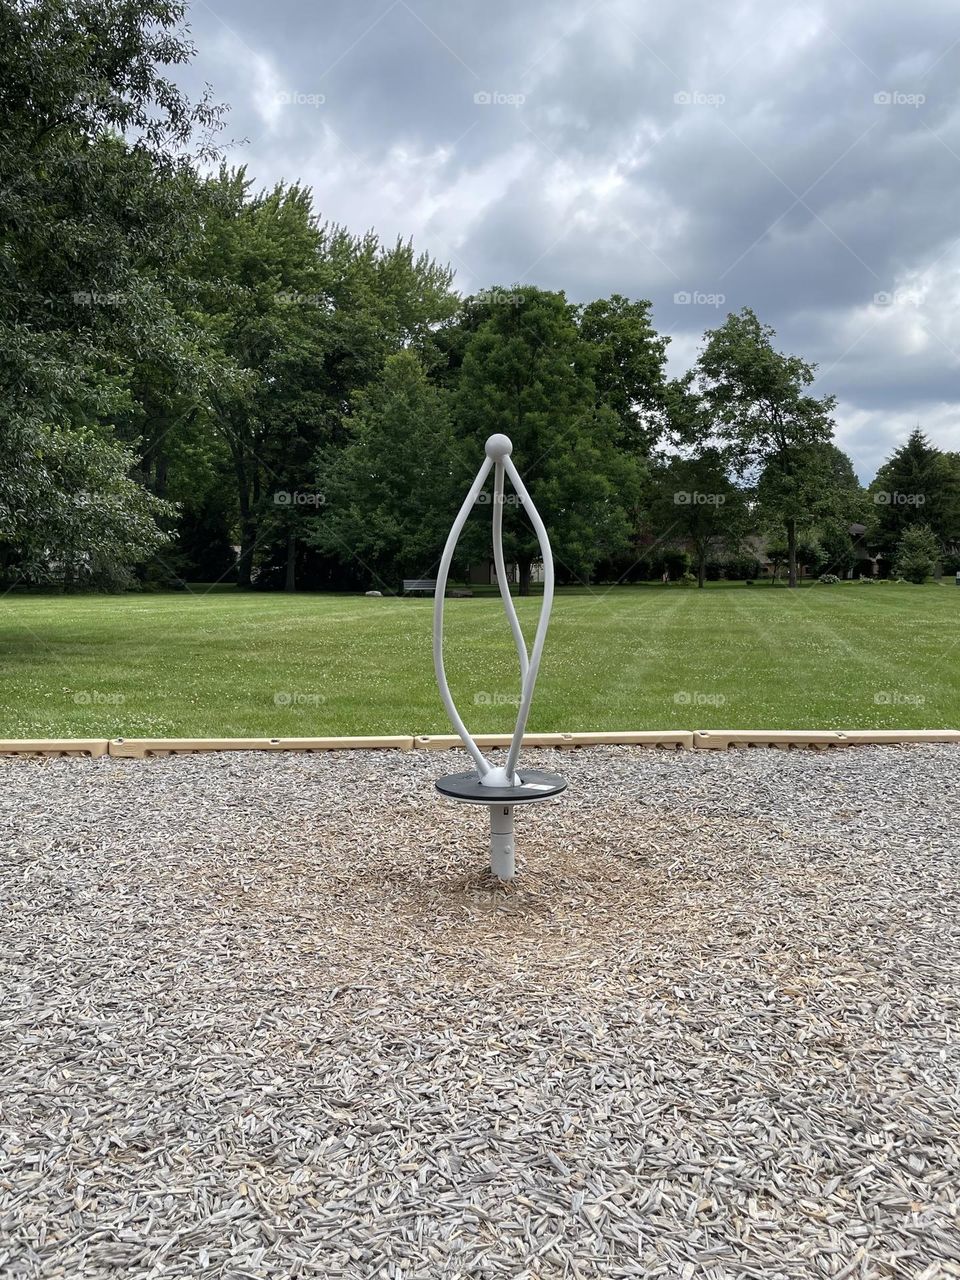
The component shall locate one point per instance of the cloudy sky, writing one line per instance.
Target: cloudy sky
(803, 159)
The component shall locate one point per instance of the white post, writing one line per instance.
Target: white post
(502, 861)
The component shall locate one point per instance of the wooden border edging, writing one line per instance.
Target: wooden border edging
(895, 737)
(723, 739)
(141, 747)
(672, 740)
(53, 747)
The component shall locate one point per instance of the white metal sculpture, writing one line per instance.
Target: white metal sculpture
(498, 787)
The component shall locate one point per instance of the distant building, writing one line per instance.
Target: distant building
(484, 573)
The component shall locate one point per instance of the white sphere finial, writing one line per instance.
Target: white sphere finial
(499, 447)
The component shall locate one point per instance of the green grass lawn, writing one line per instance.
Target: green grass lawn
(649, 657)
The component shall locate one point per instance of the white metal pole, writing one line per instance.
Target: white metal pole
(530, 677)
(500, 565)
(502, 860)
(479, 759)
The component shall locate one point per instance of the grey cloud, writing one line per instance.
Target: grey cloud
(658, 150)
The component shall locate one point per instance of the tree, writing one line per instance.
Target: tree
(762, 409)
(96, 201)
(306, 314)
(826, 493)
(917, 553)
(697, 504)
(836, 540)
(918, 484)
(388, 493)
(527, 373)
(262, 304)
(96, 521)
(809, 552)
(629, 359)
(381, 300)
(778, 553)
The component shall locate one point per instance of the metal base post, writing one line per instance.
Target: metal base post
(502, 861)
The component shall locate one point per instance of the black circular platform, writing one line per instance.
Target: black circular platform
(536, 784)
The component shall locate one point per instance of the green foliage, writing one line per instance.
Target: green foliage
(628, 363)
(776, 431)
(305, 314)
(84, 521)
(918, 484)
(180, 353)
(917, 553)
(696, 503)
(389, 491)
(527, 372)
(96, 201)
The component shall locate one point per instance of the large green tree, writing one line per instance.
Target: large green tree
(774, 427)
(628, 366)
(819, 494)
(388, 493)
(527, 372)
(306, 314)
(262, 301)
(918, 484)
(97, 200)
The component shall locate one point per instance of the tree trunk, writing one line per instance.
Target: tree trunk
(290, 582)
(524, 567)
(161, 467)
(701, 568)
(248, 541)
(792, 552)
(248, 500)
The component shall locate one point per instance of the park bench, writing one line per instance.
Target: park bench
(410, 585)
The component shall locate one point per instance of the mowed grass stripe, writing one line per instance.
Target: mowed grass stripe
(649, 657)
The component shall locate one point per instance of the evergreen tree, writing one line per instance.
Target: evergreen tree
(917, 553)
(917, 485)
